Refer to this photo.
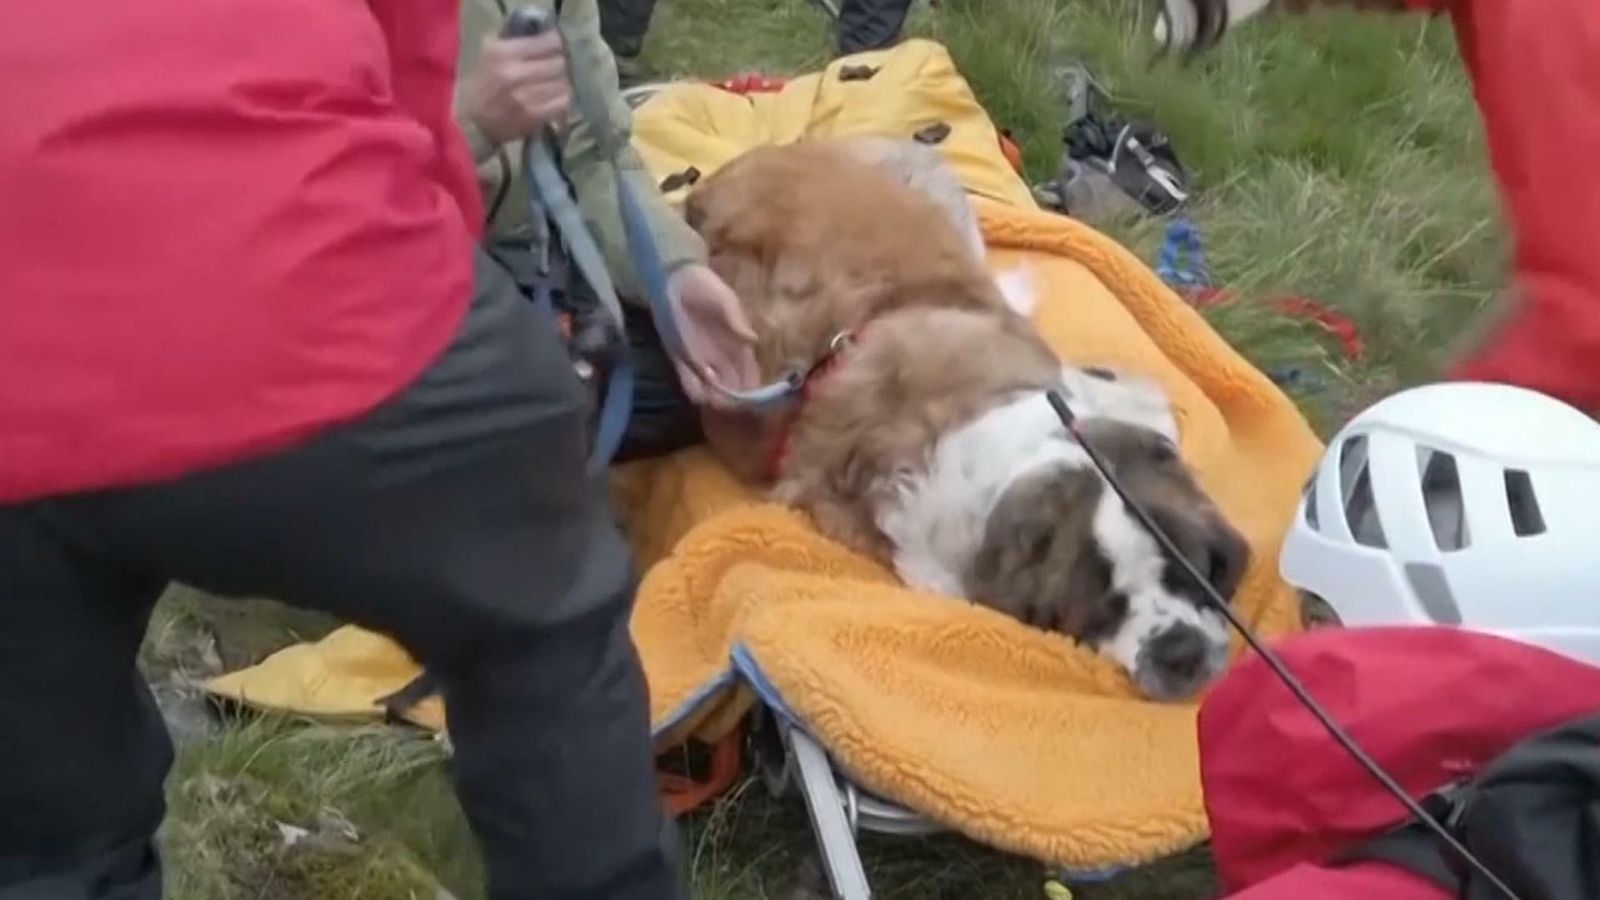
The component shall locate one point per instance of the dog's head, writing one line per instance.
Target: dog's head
(1062, 552)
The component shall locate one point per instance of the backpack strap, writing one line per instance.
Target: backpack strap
(1416, 849)
(1411, 848)
(418, 689)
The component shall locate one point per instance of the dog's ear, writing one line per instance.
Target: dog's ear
(1038, 561)
(1099, 609)
(1194, 524)
(1011, 573)
(1227, 557)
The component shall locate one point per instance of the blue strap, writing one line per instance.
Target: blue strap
(1181, 261)
(646, 256)
(653, 279)
(548, 190)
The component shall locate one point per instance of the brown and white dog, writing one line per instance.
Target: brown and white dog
(924, 436)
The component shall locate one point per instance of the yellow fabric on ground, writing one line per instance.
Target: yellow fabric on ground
(1009, 735)
(915, 86)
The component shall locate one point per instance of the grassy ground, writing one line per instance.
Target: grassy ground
(1338, 158)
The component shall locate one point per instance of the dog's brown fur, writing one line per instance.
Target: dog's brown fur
(817, 242)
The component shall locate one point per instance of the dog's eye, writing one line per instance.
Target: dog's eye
(1219, 571)
(1163, 451)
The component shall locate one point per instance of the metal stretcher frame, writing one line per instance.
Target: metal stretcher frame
(839, 810)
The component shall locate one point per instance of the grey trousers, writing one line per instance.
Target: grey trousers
(458, 518)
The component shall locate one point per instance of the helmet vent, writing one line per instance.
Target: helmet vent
(1526, 518)
(1355, 485)
(1432, 590)
(1441, 496)
(1311, 505)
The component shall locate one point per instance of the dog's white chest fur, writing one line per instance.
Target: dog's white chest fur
(937, 518)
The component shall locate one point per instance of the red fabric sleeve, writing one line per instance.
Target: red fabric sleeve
(423, 41)
(1432, 705)
(243, 223)
(1535, 66)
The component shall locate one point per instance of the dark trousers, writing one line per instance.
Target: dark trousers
(863, 24)
(624, 24)
(663, 420)
(456, 517)
(870, 24)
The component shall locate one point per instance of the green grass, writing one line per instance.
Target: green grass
(276, 809)
(1338, 157)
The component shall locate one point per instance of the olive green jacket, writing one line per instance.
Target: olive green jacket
(593, 69)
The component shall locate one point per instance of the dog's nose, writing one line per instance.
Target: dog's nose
(1179, 652)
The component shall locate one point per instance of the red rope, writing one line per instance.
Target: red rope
(779, 449)
(751, 83)
(1334, 323)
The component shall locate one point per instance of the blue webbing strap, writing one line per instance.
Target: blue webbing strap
(646, 256)
(1181, 262)
(548, 190)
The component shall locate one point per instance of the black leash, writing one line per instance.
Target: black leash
(1069, 420)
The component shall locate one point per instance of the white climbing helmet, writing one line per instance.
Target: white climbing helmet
(1465, 504)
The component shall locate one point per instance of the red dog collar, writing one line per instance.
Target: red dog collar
(778, 452)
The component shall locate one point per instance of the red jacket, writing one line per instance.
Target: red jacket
(224, 226)
(1431, 705)
(1535, 66)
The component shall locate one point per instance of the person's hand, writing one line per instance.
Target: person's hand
(716, 337)
(519, 86)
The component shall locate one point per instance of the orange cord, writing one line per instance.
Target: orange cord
(683, 794)
(1011, 151)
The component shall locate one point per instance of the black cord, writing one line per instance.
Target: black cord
(1272, 660)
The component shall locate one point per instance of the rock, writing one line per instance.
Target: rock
(185, 709)
(291, 834)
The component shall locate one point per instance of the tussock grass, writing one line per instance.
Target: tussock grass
(278, 809)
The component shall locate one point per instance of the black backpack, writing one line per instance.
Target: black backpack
(1532, 816)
